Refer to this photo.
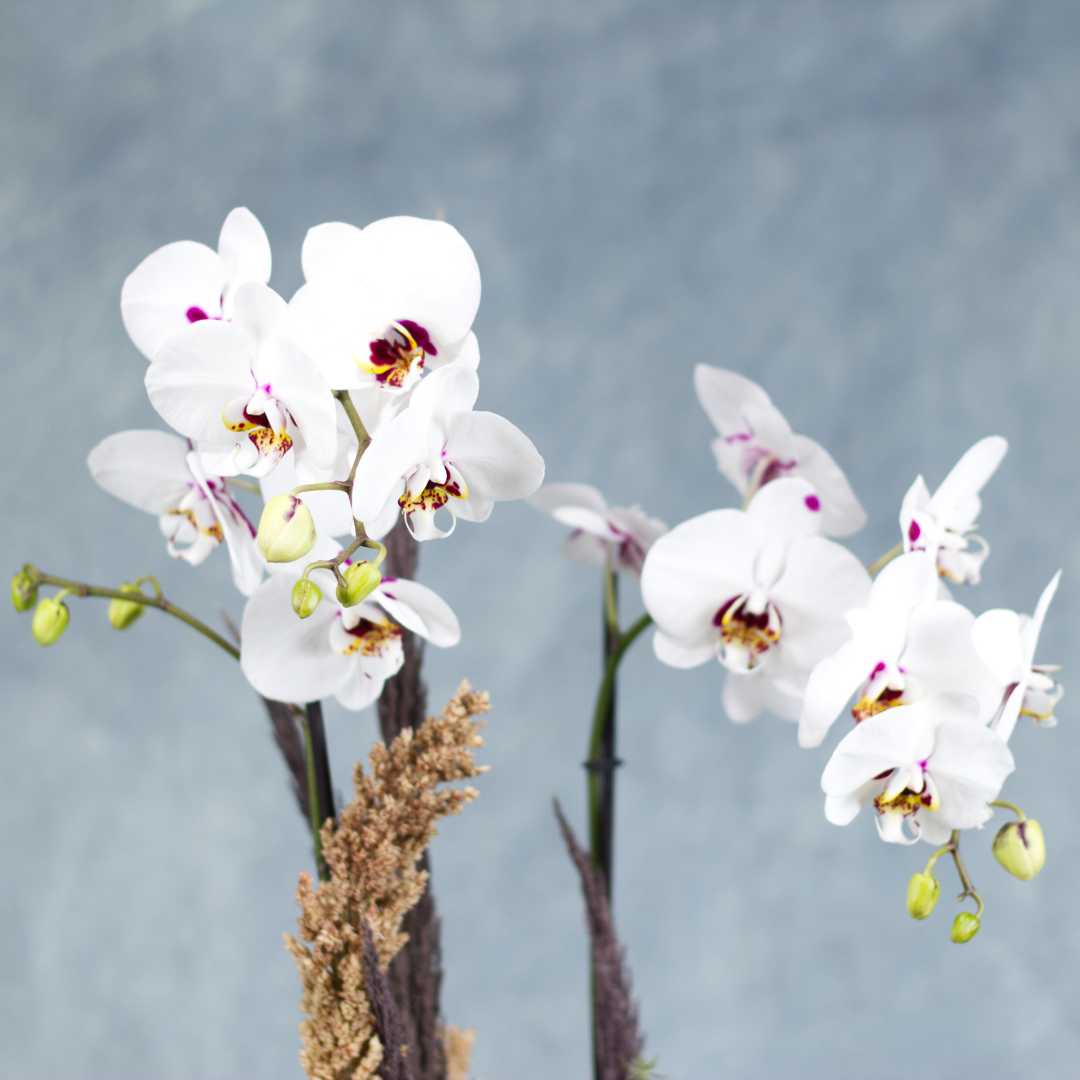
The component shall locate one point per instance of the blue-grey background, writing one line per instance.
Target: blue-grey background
(874, 209)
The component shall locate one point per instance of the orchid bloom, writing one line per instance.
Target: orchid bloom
(382, 304)
(157, 472)
(904, 644)
(760, 590)
(944, 523)
(755, 445)
(243, 391)
(186, 282)
(344, 652)
(440, 454)
(927, 769)
(603, 535)
(1006, 641)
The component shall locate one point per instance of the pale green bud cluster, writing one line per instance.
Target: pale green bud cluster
(922, 894)
(361, 580)
(50, 620)
(286, 529)
(122, 613)
(1020, 847)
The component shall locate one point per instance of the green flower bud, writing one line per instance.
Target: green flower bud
(965, 926)
(122, 613)
(24, 589)
(1020, 847)
(922, 895)
(50, 621)
(361, 580)
(306, 597)
(286, 529)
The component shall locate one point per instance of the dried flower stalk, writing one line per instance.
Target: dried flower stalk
(458, 1045)
(373, 855)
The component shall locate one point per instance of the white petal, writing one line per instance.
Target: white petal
(956, 502)
(286, 658)
(898, 736)
(424, 271)
(1034, 628)
(320, 321)
(787, 508)
(196, 374)
(146, 469)
(330, 509)
(726, 396)
(447, 391)
(679, 654)
(842, 809)
(969, 765)
(259, 310)
(360, 690)
(832, 683)
(692, 570)
(158, 294)
(553, 497)
(331, 251)
(419, 609)
(395, 450)
(998, 637)
(244, 247)
(841, 512)
(495, 457)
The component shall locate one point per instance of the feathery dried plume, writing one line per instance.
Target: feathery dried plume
(352, 1032)
(618, 1040)
(458, 1043)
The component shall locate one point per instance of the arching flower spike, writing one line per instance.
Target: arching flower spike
(944, 523)
(759, 590)
(601, 534)
(347, 653)
(1006, 641)
(156, 472)
(439, 454)
(243, 392)
(756, 445)
(187, 282)
(926, 768)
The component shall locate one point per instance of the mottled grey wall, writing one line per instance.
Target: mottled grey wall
(874, 209)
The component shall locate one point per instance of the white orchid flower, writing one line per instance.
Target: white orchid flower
(1006, 641)
(926, 768)
(382, 304)
(601, 535)
(440, 454)
(186, 282)
(343, 652)
(760, 590)
(904, 644)
(157, 472)
(756, 445)
(243, 391)
(944, 523)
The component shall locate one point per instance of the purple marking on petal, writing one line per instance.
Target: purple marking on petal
(196, 314)
(922, 764)
(914, 532)
(878, 668)
(388, 594)
(812, 503)
(739, 436)
(386, 580)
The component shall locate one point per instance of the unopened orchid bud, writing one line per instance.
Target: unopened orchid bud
(1021, 848)
(50, 621)
(922, 895)
(306, 597)
(286, 529)
(122, 613)
(965, 926)
(24, 588)
(361, 580)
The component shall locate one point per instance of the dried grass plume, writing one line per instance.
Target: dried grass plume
(374, 880)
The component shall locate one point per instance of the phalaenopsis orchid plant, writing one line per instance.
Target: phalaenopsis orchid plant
(344, 422)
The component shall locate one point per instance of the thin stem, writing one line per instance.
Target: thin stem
(329, 485)
(607, 760)
(611, 608)
(1001, 804)
(597, 764)
(79, 588)
(961, 870)
(879, 564)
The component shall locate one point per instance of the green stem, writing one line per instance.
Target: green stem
(329, 485)
(596, 739)
(314, 811)
(1001, 804)
(961, 870)
(79, 588)
(879, 564)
